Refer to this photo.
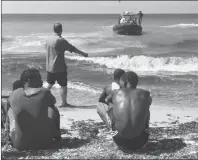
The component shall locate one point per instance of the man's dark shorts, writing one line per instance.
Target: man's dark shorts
(132, 144)
(125, 143)
(60, 77)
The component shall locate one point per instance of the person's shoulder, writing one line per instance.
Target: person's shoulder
(62, 39)
(16, 93)
(141, 93)
(107, 89)
(139, 90)
(121, 91)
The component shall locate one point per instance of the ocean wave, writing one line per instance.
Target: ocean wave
(144, 63)
(105, 27)
(16, 65)
(79, 86)
(181, 25)
(187, 43)
(22, 41)
(7, 39)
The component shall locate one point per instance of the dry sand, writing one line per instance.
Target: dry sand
(160, 116)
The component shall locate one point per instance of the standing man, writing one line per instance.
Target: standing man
(55, 61)
(140, 17)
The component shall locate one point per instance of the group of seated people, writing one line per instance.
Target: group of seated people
(128, 17)
(33, 122)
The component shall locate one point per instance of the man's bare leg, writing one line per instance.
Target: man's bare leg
(102, 111)
(63, 93)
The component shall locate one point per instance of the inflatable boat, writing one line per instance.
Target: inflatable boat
(127, 24)
(127, 29)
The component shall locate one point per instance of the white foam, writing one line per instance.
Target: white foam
(181, 25)
(144, 63)
(78, 86)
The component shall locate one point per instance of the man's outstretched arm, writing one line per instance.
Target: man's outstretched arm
(80, 52)
(72, 48)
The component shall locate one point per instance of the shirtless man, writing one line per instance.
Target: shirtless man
(130, 112)
(104, 109)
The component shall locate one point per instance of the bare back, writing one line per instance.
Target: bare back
(131, 108)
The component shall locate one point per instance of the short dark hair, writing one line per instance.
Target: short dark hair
(58, 28)
(16, 85)
(118, 74)
(32, 77)
(131, 78)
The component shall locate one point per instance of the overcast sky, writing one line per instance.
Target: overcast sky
(77, 7)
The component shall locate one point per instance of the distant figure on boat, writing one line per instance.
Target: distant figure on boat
(140, 17)
(123, 20)
(127, 24)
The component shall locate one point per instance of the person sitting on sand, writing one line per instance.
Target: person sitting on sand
(104, 109)
(130, 112)
(32, 122)
(16, 85)
(55, 61)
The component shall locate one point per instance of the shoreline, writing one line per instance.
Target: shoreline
(160, 116)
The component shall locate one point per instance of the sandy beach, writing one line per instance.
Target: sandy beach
(173, 134)
(160, 117)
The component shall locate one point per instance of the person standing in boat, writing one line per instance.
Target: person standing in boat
(140, 14)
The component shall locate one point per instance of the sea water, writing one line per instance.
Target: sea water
(165, 57)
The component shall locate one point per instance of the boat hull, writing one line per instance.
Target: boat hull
(127, 29)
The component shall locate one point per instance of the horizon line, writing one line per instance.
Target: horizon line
(91, 13)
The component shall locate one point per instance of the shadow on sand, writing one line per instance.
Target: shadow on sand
(159, 147)
(157, 144)
(79, 107)
(69, 143)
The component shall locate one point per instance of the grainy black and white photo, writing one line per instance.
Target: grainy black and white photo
(99, 79)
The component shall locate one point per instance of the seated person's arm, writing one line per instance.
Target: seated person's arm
(150, 100)
(109, 98)
(7, 122)
(103, 96)
(4, 96)
(51, 100)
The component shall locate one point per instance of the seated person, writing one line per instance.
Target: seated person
(16, 85)
(103, 108)
(32, 121)
(123, 20)
(130, 112)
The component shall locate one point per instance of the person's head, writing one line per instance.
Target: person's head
(118, 74)
(129, 80)
(31, 78)
(58, 28)
(16, 85)
(140, 11)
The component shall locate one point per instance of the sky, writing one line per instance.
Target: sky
(98, 7)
